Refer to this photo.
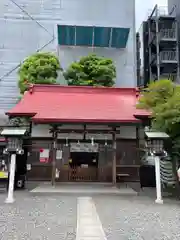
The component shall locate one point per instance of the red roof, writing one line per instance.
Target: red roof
(54, 103)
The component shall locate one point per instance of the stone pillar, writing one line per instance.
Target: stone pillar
(10, 198)
(158, 181)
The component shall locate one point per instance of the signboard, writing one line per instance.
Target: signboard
(84, 147)
(84, 165)
(28, 167)
(59, 154)
(44, 156)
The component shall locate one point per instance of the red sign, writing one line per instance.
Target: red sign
(44, 155)
(44, 160)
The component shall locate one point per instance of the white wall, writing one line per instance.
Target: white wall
(22, 36)
(107, 13)
(125, 132)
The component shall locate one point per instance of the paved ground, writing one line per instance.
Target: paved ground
(55, 217)
(45, 188)
(38, 218)
(138, 218)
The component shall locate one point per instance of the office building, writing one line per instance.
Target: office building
(71, 29)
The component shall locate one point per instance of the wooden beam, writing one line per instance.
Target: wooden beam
(84, 136)
(137, 145)
(81, 131)
(114, 157)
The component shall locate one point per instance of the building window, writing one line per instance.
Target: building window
(102, 36)
(92, 36)
(84, 36)
(119, 37)
(66, 35)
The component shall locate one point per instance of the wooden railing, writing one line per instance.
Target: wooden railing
(168, 33)
(89, 174)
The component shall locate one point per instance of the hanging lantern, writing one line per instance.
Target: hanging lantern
(105, 144)
(92, 141)
(66, 142)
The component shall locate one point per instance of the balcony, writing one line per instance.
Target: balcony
(161, 11)
(168, 35)
(165, 57)
(168, 57)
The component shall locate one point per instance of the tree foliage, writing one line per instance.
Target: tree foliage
(161, 98)
(155, 94)
(91, 70)
(18, 121)
(39, 68)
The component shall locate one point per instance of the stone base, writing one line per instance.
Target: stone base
(82, 189)
(9, 200)
(159, 201)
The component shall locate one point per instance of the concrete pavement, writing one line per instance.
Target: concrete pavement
(94, 218)
(89, 226)
(82, 189)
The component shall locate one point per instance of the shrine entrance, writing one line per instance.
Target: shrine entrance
(83, 166)
(83, 162)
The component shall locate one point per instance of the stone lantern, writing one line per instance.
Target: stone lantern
(155, 146)
(14, 137)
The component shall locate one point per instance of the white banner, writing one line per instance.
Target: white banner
(59, 154)
(84, 147)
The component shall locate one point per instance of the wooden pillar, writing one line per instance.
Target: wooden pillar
(137, 146)
(54, 149)
(114, 158)
(137, 156)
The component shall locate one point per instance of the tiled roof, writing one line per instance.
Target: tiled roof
(54, 103)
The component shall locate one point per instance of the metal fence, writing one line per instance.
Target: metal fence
(168, 33)
(170, 56)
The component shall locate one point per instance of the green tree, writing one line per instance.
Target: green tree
(156, 93)
(39, 68)
(91, 70)
(162, 98)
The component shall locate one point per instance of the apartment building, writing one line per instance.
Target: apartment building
(159, 46)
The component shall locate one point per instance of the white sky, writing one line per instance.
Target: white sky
(142, 7)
